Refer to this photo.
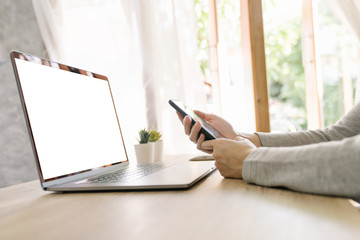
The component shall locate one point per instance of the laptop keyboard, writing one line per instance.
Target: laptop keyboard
(129, 174)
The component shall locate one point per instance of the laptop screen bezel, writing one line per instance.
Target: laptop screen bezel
(49, 63)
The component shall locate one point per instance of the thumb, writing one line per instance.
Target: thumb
(199, 113)
(208, 145)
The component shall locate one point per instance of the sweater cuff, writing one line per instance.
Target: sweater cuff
(268, 139)
(249, 166)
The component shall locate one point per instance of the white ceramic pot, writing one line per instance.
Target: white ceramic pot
(144, 153)
(158, 151)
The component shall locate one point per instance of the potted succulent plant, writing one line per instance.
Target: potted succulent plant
(155, 137)
(144, 150)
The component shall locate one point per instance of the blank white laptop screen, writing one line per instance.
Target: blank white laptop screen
(72, 118)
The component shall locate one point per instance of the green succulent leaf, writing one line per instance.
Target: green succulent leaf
(144, 136)
(154, 136)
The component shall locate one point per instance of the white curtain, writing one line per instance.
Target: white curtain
(348, 11)
(147, 48)
(48, 14)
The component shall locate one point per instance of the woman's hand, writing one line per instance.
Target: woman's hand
(219, 124)
(215, 121)
(229, 155)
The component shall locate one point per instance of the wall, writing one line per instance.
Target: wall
(18, 30)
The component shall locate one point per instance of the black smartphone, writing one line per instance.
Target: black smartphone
(209, 132)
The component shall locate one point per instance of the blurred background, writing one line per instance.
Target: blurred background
(153, 51)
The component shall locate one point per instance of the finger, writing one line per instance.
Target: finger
(205, 116)
(194, 133)
(218, 165)
(222, 168)
(181, 117)
(207, 151)
(187, 125)
(200, 141)
(208, 145)
(199, 113)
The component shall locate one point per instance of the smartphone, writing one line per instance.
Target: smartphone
(209, 132)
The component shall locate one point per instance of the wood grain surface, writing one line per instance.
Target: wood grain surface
(215, 208)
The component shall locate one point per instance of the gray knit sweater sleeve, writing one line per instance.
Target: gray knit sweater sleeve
(348, 126)
(328, 164)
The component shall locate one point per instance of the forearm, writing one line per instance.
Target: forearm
(330, 168)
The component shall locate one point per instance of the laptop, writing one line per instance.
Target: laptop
(76, 136)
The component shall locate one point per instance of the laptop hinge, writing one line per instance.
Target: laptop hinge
(85, 175)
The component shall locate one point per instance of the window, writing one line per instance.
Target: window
(157, 50)
(312, 61)
(338, 53)
(285, 72)
(221, 60)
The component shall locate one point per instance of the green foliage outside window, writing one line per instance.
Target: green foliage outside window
(202, 14)
(285, 72)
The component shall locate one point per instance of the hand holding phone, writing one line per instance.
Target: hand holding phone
(206, 129)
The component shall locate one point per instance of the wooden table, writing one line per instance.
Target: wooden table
(215, 208)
